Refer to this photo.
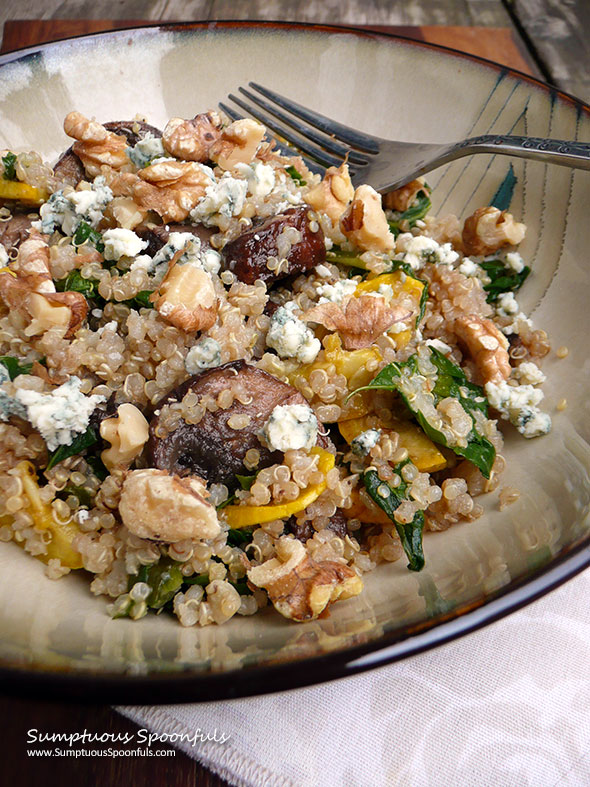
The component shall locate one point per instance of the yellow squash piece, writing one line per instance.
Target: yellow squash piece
(362, 512)
(16, 191)
(353, 365)
(405, 289)
(423, 452)
(244, 516)
(62, 534)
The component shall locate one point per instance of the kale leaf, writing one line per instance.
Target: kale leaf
(389, 498)
(503, 279)
(296, 176)
(78, 444)
(418, 210)
(84, 232)
(9, 163)
(75, 282)
(450, 382)
(14, 367)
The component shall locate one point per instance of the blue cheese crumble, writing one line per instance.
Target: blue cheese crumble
(338, 292)
(291, 427)
(518, 404)
(261, 178)
(146, 150)
(416, 250)
(205, 354)
(291, 337)
(362, 443)
(224, 198)
(8, 404)
(194, 254)
(120, 242)
(67, 209)
(60, 415)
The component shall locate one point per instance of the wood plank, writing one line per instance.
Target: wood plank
(358, 12)
(497, 44)
(176, 770)
(560, 32)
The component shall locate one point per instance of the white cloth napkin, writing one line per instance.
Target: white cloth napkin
(507, 705)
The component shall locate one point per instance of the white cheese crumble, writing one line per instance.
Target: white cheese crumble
(416, 250)
(205, 354)
(291, 427)
(261, 178)
(468, 267)
(291, 337)
(224, 198)
(336, 293)
(4, 258)
(146, 150)
(120, 242)
(515, 261)
(507, 306)
(528, 373)
(68, 210)
(60, 415)
(518, 404)
(362, 443)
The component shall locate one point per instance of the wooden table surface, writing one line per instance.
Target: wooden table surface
(547, 38)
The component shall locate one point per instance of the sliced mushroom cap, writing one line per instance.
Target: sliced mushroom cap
(249, 255)
(69, 168)
(305, 530)
(211, 448)
(14, 231)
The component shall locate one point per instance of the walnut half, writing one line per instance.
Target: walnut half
(488, 229)
(165, 507)
(301, 588)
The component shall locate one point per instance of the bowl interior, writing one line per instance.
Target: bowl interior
(394, 89)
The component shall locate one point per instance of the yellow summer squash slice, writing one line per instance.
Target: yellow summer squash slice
(244, 516)
(62, 533)
(350, 363)
(407, 291)
(16, 191)
(422, 451)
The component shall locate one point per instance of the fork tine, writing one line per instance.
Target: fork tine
(320, 139)
(301, 143)
(285, 150)
(357, 139)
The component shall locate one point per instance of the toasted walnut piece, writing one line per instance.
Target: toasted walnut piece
(32, 265)
(487, 345)
(125, 212)
(333, 194)
(365, 224)
(45, 308)
(95, 146)
(127, 433)
(192, 139)
(165, 507)
(122, 184)
(186, 297)
(301, 588)
(238, 144)
(171, 188)
(360, 321)
(401, 199)
(488, 229)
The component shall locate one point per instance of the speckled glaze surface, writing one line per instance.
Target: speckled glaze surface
(55, 637)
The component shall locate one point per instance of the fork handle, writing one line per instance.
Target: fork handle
(552, 151)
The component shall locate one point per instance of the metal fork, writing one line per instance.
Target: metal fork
(382, 163)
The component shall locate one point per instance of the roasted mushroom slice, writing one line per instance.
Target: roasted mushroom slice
(216, 446)
(14, 231)
(286, 244)
(69, 168)
(305, 530)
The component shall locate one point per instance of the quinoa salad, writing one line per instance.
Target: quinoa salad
(228, 383)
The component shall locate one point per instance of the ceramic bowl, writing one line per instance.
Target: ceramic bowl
(56, 638)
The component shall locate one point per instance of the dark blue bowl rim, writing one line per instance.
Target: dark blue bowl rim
(36, 681)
